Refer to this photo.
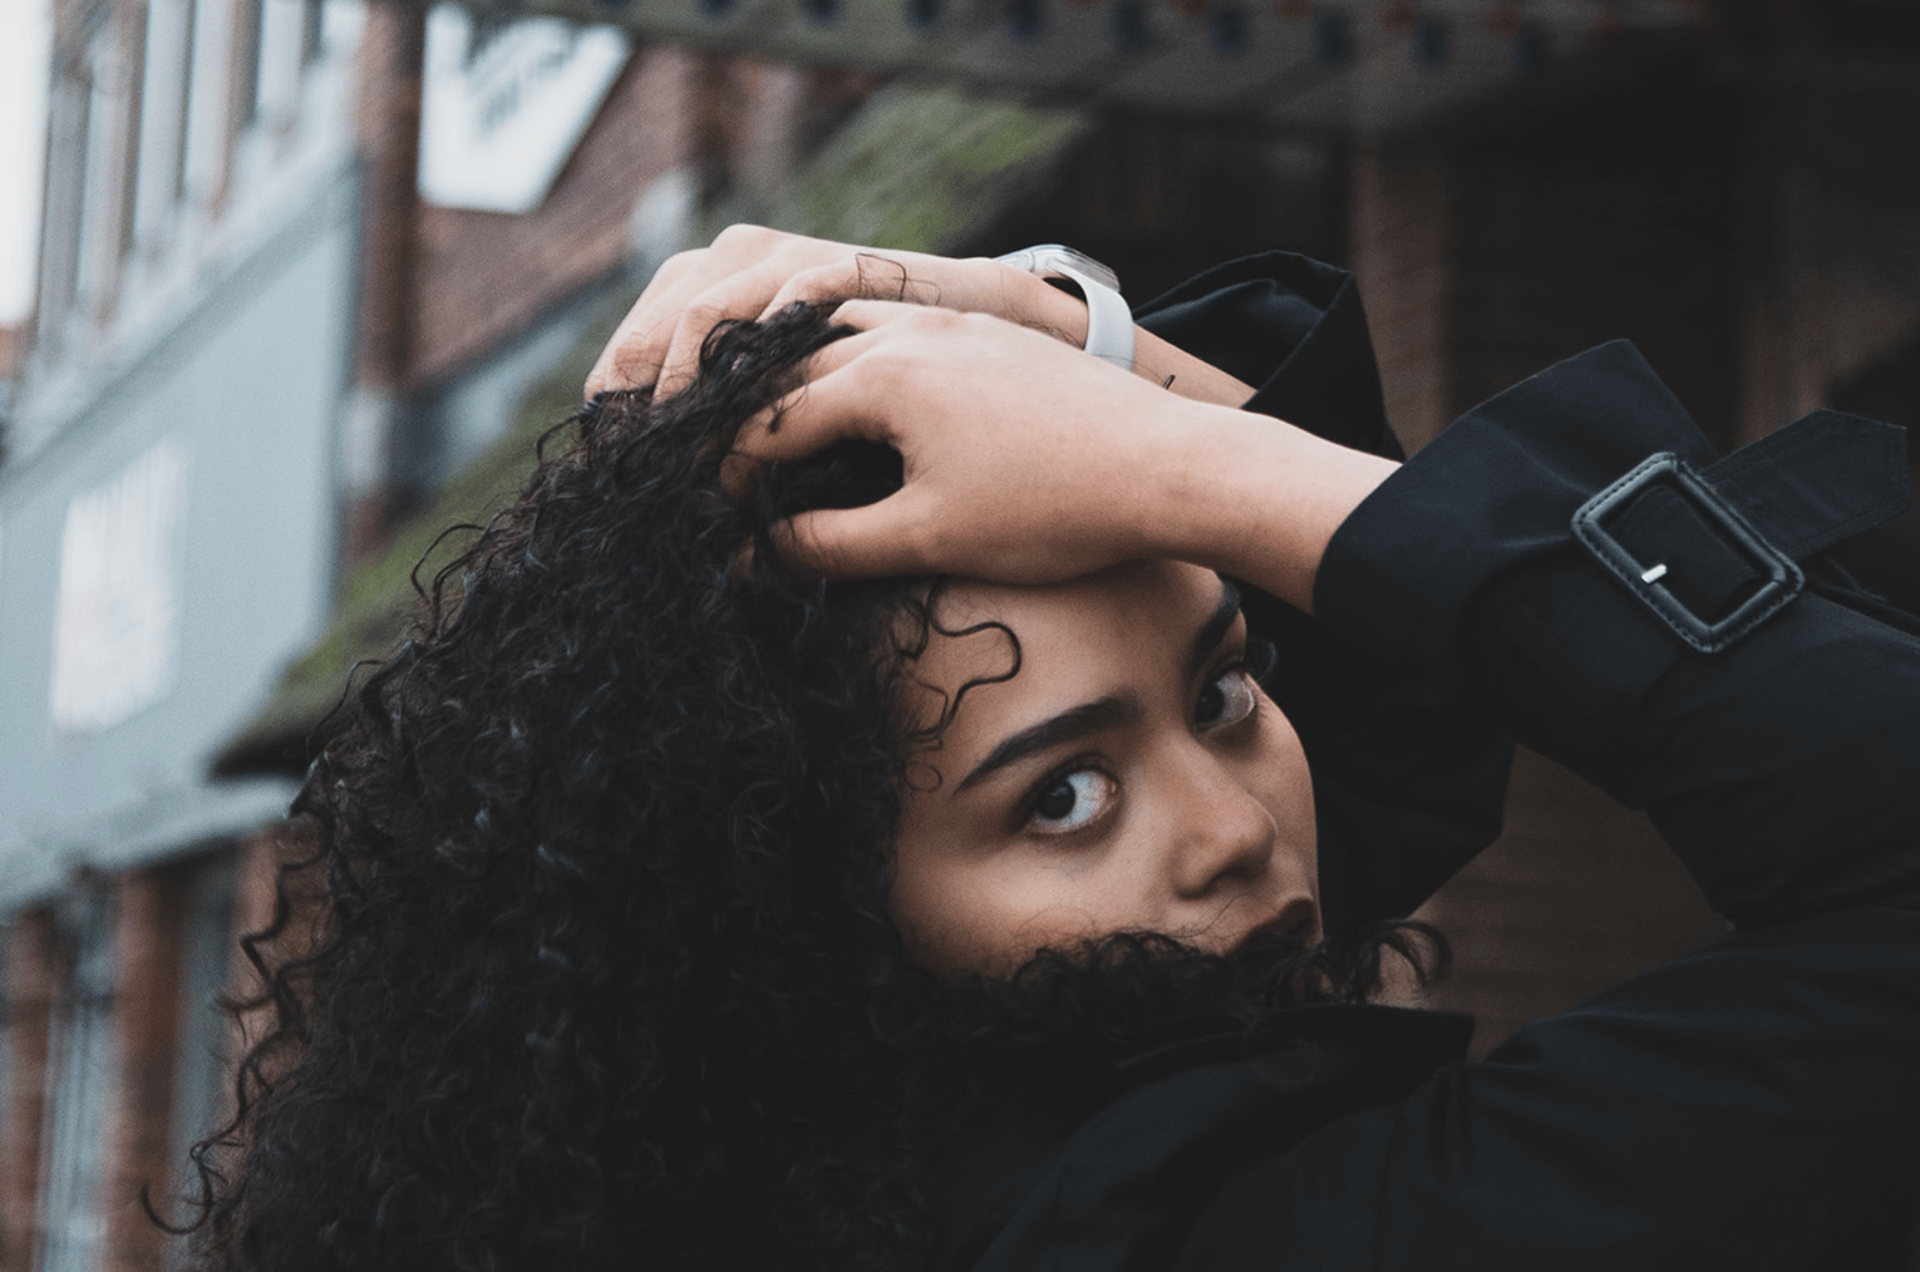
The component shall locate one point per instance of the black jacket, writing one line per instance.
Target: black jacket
(1754, 1104)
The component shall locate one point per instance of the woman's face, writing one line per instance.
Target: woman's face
(1131, 777)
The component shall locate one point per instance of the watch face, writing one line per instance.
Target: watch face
(1047, 259)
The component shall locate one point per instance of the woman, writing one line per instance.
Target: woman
(683, 910)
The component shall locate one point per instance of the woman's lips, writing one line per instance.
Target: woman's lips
(1298, 919)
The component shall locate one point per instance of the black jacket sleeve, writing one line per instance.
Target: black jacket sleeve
(1293, 328)
(1755, 1104)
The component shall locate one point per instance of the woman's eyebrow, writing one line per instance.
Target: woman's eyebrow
(1110, 711)
(1089, 717)
(1211, 632)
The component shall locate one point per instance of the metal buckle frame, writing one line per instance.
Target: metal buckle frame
(1784, 579)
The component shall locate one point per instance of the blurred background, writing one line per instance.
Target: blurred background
(287, 286)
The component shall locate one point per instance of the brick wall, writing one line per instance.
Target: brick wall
(1598, 217)
(387, 124)
(13, 349)
(149, 938)
(1161, 198)
(32, 984)
(771, 117)
(1400, 247)
(482, 276)
(1833, 288)
(140, 1148)
(257, 879)
(387, 101)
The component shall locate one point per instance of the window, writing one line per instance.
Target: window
(163, 117)
(81, 1061)
(116, 626)
(204, 155)
(249, 16)
(313, 29)
(203, 1038)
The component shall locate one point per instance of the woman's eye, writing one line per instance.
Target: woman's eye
(1073, 800)
(1229, 698)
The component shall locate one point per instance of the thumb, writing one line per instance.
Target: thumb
(873, 541)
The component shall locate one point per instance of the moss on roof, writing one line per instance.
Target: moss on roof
(923, 168)
(919, 169)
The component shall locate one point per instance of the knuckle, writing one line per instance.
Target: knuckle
(700, 317)
(680, 263)
(941, 322)
(816, 283)
(704, 310)
(797, 251)
(878, 276)
(743, 236)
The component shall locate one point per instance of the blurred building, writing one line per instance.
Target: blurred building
(167, 541)
(315, 272)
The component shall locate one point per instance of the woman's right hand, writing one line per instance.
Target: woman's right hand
(1026, 461)
(749, 272)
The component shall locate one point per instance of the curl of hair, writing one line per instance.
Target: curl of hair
(602, 972)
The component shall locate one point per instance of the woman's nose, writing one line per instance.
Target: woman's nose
(1225, 836)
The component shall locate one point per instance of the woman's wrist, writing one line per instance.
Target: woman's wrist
(1178, 371)
(1256, 498)
(1041, 305)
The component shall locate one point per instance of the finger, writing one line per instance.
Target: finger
(739, 473)
(639, 344)
(909, 278)
(631, 356)
(620, 364)
(834, 281)
(740, 295)
(871, 315)
(873, 541)
(819, 413)
(838, 355)
(832, 408)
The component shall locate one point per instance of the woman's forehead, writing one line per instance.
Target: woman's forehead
(1085, 601)
(1075, 640)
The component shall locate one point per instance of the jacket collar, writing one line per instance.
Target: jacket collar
(1079, 1157)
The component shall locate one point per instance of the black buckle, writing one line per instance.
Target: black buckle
(1783, 578)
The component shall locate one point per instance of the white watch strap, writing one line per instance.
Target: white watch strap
(1109, 319)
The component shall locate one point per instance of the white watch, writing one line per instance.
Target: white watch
(1109, 319)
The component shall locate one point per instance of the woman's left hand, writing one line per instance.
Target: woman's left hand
(750, 272)
(1027, 461)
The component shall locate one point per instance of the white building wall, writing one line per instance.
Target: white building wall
(244, 399)
(164, 85)
(209, 191)
(173, 449)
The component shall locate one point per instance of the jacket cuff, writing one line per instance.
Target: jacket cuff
(1294, 328)
(1497, 489)
(1568, 546)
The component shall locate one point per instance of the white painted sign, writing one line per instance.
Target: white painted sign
(502, 110)
(116, 623)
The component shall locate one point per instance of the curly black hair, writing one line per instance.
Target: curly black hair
(601, 971)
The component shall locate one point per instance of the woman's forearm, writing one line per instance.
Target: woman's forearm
(1154, 359)
(1028, 462)
(1257, 500)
